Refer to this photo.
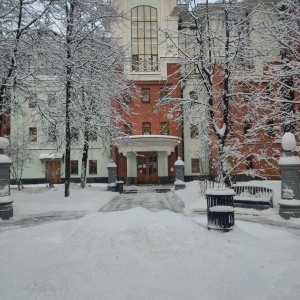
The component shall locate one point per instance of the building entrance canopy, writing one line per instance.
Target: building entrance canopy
(148, 143)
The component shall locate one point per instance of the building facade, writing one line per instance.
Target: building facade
(168, 111)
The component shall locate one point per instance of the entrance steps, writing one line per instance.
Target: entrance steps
(134, 189)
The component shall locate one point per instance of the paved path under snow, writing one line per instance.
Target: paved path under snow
(152, 201)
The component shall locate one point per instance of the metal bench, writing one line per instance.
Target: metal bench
(255, 195)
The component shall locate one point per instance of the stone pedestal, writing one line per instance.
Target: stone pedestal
(112, 176)
(290, 166)
(6, 209)
(179, 167)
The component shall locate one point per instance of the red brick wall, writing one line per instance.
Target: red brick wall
(152, 113)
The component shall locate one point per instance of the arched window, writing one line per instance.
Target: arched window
(144, 39)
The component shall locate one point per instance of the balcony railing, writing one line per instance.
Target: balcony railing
(145, 66)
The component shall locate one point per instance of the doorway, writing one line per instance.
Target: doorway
(53, 174)
(147, 171)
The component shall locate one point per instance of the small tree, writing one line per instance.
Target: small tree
(18, 149)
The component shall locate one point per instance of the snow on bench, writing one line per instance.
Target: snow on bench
(249, 194)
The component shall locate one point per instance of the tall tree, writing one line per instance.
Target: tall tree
(18, 20)
(215, 50)
(85, 67)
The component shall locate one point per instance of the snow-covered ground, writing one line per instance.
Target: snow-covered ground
(139, 254)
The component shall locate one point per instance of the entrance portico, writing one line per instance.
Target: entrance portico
(150, 158)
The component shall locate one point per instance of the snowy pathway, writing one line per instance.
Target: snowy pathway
(151, 201)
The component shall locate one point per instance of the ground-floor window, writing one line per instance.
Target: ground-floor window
(92, 166)
(195, 165)
(74, 167)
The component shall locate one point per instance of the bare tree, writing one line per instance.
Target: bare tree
(18, 19)
(85, 65)
(220, 48)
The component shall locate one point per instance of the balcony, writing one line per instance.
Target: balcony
(145, 65)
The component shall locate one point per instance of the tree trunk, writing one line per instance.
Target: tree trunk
(84, 160)
(70, 20)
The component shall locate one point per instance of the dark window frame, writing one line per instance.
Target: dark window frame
(33, 134)
(74, 167)
(52, 133)
(164, 128)
(146, 128)
(51, 99)
(195, 162)
(128, 129)
(194, 131)
(32, 100)
(93, 167)
(144, 38)
(146, 95)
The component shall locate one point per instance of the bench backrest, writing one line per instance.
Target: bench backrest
(250, 190)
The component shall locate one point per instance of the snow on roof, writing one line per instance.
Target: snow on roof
(221, 208)
(220, 191)
(4, 159)
(51, 155)
(3, 143)
(179, 182)
(289, 160)
(179, 162)
(111, 164)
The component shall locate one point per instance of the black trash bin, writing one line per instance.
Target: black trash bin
(120, 186)
(6, 209)
(220, 211)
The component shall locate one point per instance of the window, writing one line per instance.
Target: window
(163, 94)
(93, 133)
(194, 131)
(52, 133)
(146, 128)
(193, 95)
(290, 127)
(33, 134)
(268, 91)
(92, 166)
(164, 128)
(74, 167)
(249, 163)
(246, 93)
(231, 128)
(270, 128)
(247, 127)
(32, 100)
(128, 129)
(144, 39)
(146, 94)
(195, 165)
(51, 99)
(127, 99)
(74, 134)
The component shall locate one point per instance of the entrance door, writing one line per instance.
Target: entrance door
(147, 168)
(53, 171)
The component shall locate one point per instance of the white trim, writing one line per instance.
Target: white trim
(148, 143)
(54, 156)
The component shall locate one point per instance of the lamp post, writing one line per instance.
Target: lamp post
(178, 142)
